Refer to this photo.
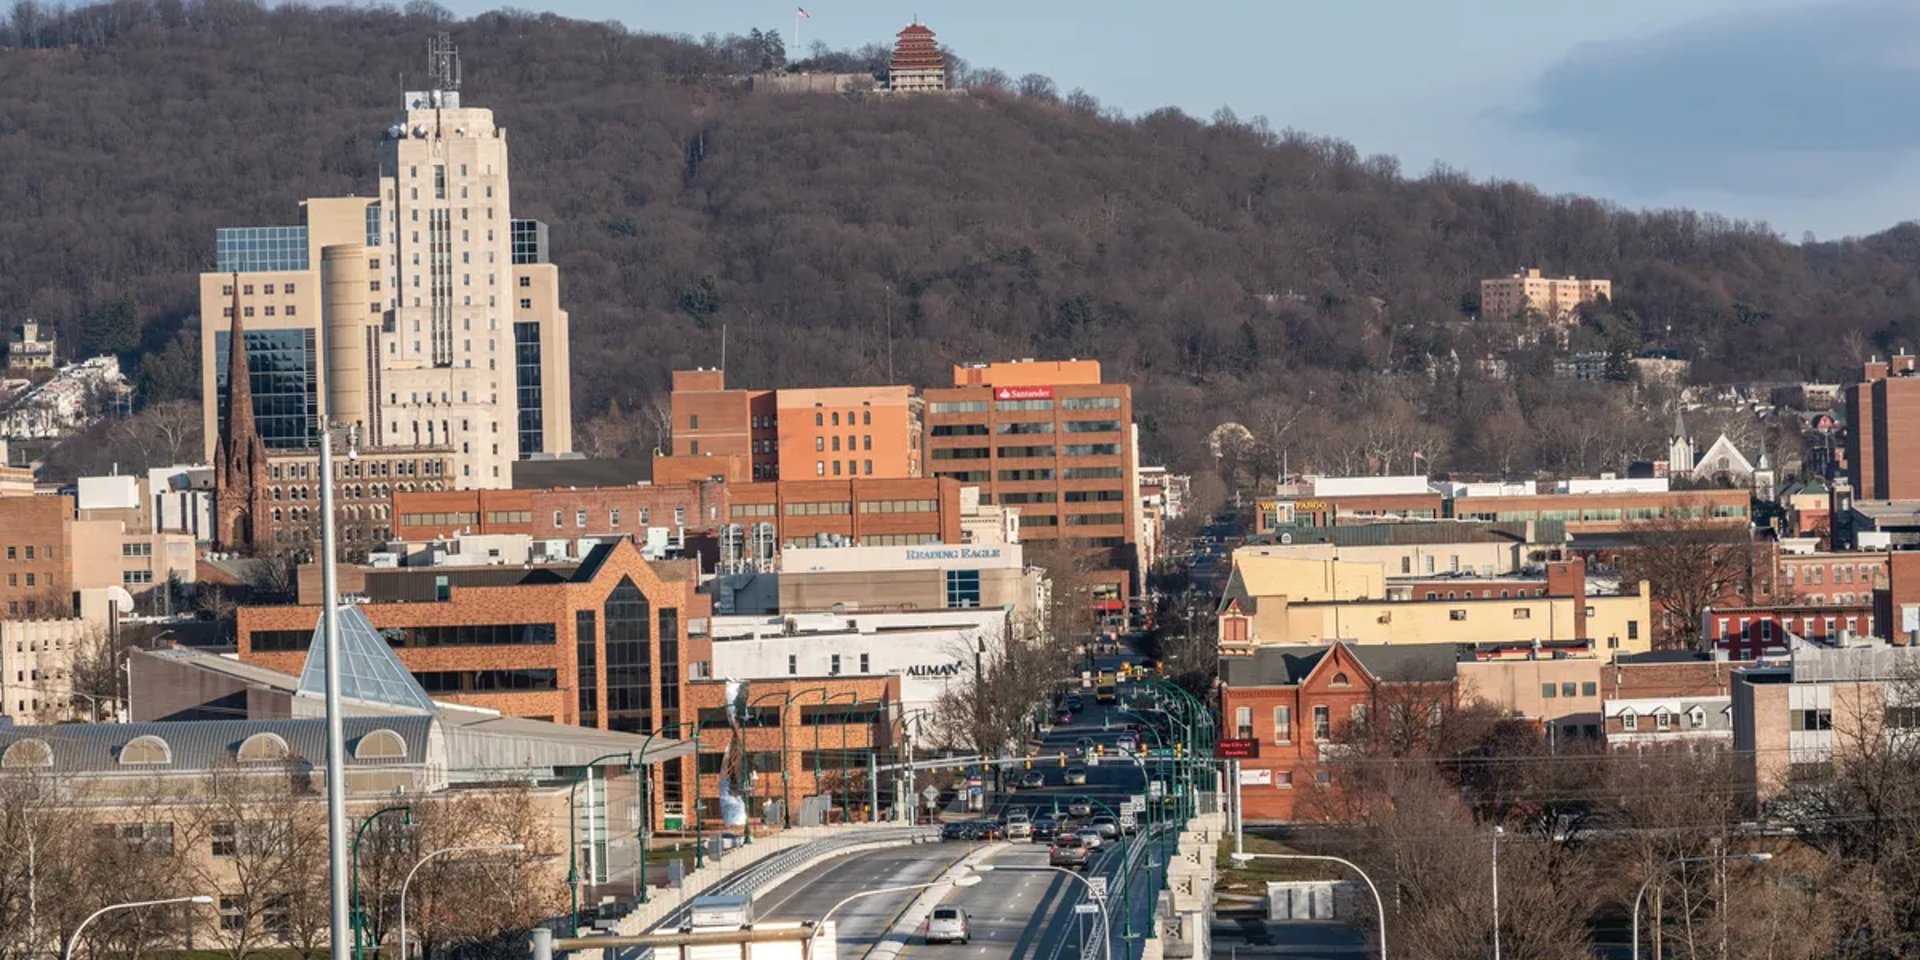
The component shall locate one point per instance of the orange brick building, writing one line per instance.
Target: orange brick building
(828, 726)
(36, 578)
(795, 434)
(1050, 438)
(610, 645)
(1883, 448)
(1607, 512)
(1300, 701)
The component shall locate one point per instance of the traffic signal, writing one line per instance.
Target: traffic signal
(1063, 758)
(1176, 750)
(1100, 749)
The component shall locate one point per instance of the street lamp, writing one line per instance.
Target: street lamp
(496, 847)
(1379, 908)
(67, 954)
(573, 840)
(786, 795)
(353, 897)
(1761, 857)
(1106, 919)
(958, 879)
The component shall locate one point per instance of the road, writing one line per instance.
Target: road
(863, 922)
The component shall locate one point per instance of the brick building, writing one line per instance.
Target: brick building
(1607, 512)
(608, 644)
(1841, 578)
(797, 433)
(1052, 439)
(35, 547)
(1298, 702)
(799, 737)
(1883, 449)
(1750, 631)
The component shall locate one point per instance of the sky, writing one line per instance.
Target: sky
(1791, 112)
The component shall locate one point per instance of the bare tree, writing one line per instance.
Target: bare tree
(259, 835)
(98, 658)
(1692, 563)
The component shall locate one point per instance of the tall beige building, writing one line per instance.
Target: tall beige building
(1553, 298)
(426, 316)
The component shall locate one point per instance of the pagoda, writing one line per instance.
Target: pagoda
(917, 66)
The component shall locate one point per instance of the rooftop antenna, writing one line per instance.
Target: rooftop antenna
(443, 62)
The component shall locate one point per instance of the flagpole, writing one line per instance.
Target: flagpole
(796, 34)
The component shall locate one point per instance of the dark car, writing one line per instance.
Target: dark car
(1063, 716)
(1045, 830)
(1069, 852)
(1033, 780)
(954, 831)
(1075, 704)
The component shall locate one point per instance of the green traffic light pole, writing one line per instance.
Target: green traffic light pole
(573, 839)
(797, 694)
(359, 923)
(699, 854)
(786, 798)
(1178, 725)
(902, 753)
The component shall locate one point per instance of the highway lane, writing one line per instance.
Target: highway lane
(861, 923)
(1015, 914)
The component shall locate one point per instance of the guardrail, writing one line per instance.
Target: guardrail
(1141, 846)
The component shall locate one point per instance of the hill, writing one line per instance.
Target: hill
(1231, 272)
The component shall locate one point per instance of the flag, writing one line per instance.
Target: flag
(802, 11)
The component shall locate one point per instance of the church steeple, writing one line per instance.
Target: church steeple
(240, 460)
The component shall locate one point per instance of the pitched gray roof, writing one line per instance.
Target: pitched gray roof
(200, 745)
(1394, 663)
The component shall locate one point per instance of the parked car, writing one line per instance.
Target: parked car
(1067, 851)
(1090, 838)
(1079, 808)
(1045, 830)
(1076, 776)
(1033, 780)
(956, 830)
(949, 925)
(1075, 704)
(1108, 827)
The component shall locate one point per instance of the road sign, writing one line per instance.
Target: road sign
(1138, 801)
(1127, 821)
(1099, 887)
(931, 793)
(1086, 908)
(1245, 748)
(1156, 789)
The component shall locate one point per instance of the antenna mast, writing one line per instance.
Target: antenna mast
(443, 62)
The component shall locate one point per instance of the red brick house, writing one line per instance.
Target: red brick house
(1299, 701)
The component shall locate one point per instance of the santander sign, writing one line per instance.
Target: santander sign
(1023, 393)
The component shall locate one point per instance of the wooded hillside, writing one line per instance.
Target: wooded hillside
(1229, 270)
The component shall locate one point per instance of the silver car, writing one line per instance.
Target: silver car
(1090, 838)
(949, 925)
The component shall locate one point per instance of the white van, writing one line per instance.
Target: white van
(949, 925)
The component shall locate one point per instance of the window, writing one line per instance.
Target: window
(1456, 614)
(1548, 691)
(1662, 720)
(557, 519)
(1322, 722)
(833, 667)
(963, 588)
(1803, 720)
(865, 664)
(147, 749)
(1323, 778)
(793, 664)
(1282, 724)
(1629, 721)
(1283, 779)
(628, 622)
(580, 517)
(263, 748)
(613, 517)
(1696, 718)
(1588, 688)
(1519, 613)
(1633, 629)
(586, 638)
(526, 281)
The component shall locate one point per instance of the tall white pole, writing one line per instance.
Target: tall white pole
(1496, 892)
(336, 735)
(1239, 814)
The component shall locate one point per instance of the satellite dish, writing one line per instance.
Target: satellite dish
(420, 130)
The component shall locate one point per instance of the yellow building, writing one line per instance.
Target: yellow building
(1552, 298)
(425, 315)
(1285, 600)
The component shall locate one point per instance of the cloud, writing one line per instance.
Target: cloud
(1790, 102)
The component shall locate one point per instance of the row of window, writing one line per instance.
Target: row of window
(1024, 406)
(899, 506)
(820, 444)
(268, 310)
(645, 517)
(1585, 688)
(460, 635)
(448, 519)
(820, 468)
(487, 681)
(28, 552)
(246, 289)
(820, 419)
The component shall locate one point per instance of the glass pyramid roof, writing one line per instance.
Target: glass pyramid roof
(369, 671)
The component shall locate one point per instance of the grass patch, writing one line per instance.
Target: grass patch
(1254, 875)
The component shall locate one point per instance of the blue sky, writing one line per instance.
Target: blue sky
(1795, 112)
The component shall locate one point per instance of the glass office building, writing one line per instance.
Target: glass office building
(284, 369)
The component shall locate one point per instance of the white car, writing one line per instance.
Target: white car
(1021, 829)
(1090, 838)
(949, 925)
